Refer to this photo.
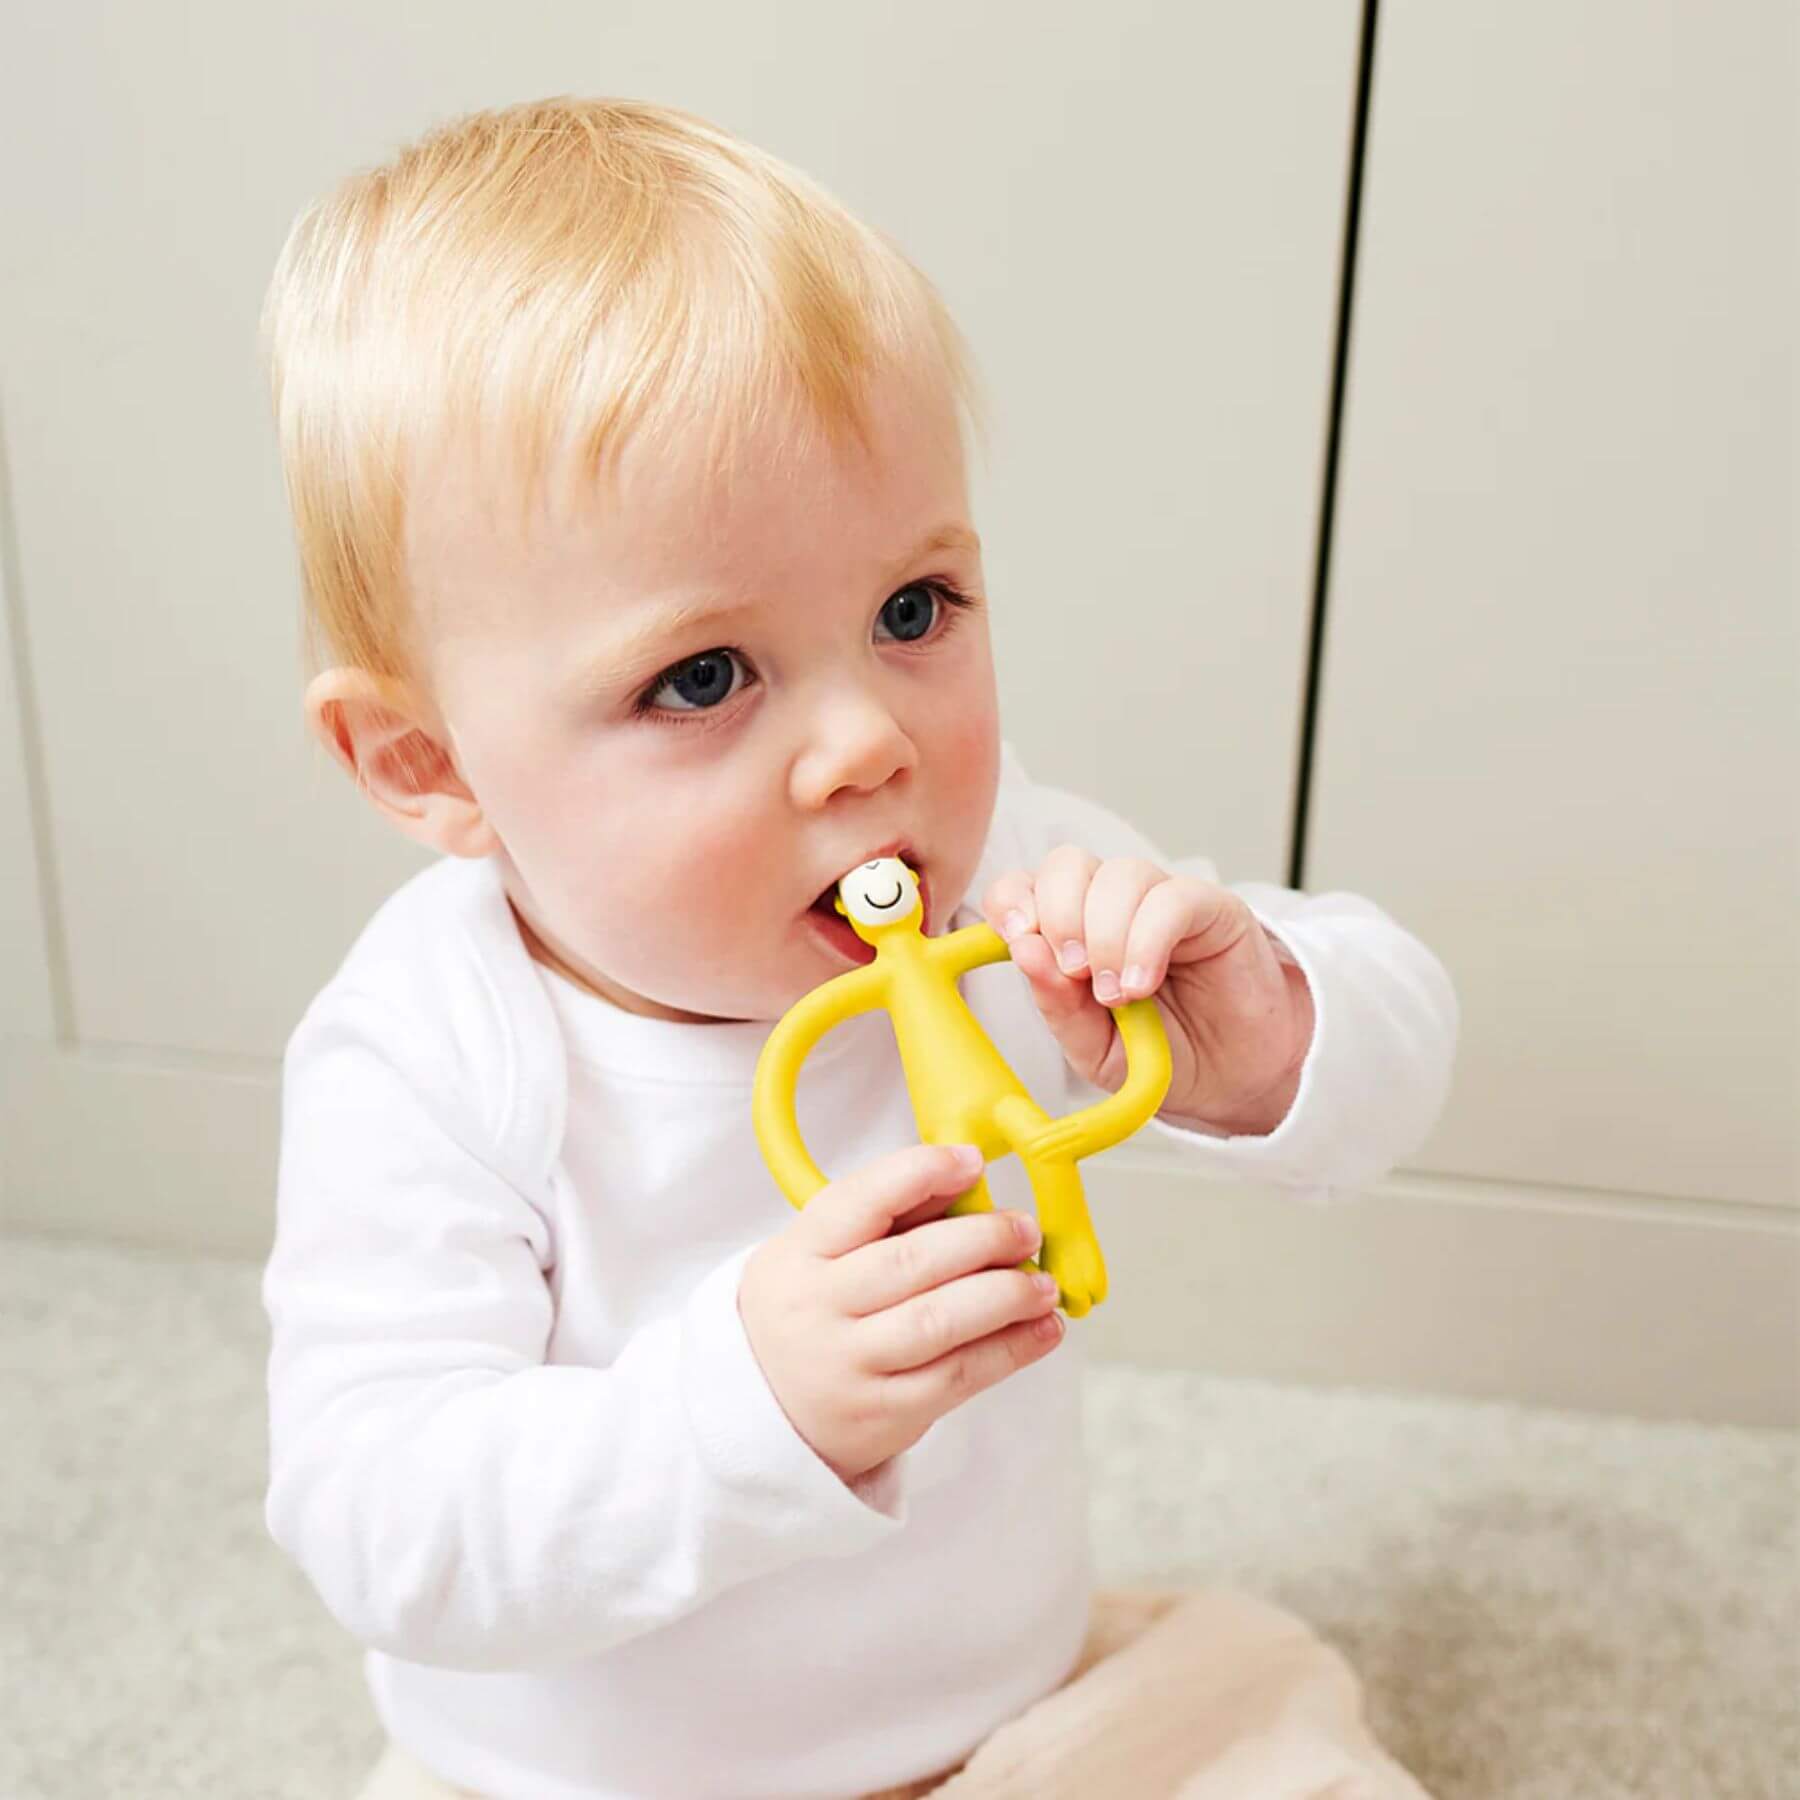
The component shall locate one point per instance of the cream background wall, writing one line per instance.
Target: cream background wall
(1567, 516)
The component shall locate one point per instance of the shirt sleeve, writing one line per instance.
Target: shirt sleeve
(1377, 1072)
(1385, 1022)
(454, 1498)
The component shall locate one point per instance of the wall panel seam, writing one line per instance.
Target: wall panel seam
(31, 750)
(1328, 473)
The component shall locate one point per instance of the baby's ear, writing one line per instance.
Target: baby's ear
(377, 730)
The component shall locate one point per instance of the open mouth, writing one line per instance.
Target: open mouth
(836, 931)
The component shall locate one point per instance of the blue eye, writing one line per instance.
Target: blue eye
(702, 681)
(909, 613)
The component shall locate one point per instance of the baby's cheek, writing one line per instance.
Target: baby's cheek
(968, 752)
(721, 890)
(974, 739)
(596, 857)
(971, 775)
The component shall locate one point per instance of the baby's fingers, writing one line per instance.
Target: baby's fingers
(921, 1330)
(864, 1205)
(1116, 899)
(935, 1388)
(1010, 904)
(1023, 907)
(884, 1274)
(1081, 1025)
(1061, 887)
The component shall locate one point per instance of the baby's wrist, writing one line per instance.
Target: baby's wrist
(1257, 1119)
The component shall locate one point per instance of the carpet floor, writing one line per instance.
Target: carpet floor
(1543, 1606)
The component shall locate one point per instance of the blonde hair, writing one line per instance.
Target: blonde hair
(557, 277)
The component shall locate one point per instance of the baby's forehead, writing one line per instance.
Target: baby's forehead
(479, 529)
(481, 525)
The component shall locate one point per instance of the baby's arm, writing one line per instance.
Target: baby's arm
(1385, 1025)
(455, 1499)
(1385, 1018)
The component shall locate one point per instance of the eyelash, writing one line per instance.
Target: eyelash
(954, 603)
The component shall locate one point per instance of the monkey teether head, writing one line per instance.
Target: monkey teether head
(878, 895)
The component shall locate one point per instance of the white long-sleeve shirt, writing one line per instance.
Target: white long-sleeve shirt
(520, 1441)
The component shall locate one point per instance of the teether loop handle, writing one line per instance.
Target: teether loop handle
(772, 1101)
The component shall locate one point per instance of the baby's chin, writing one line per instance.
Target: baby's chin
(759, 997)
(821, 951)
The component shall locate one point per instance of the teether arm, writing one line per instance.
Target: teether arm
(772, 1108)
(1148, 1065)
(957, 952)
(1149, 1070)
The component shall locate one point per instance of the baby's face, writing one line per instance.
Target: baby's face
(671, 796)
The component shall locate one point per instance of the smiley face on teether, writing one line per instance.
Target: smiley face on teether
(881, 892)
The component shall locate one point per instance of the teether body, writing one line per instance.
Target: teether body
(962, 1089)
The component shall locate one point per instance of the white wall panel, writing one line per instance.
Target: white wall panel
(1560, 733)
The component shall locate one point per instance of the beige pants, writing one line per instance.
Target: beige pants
(1205, 1695)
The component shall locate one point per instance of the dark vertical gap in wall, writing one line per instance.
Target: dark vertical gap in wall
(1315, 651)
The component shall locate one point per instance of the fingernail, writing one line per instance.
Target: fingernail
(1016, 922)
(1135, 980)
(1045, 1284)
(1106, 985)
(1073, 958)
(968, 1157)
(1029, 1233)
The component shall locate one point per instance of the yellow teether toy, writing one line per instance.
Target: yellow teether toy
(962, 1090)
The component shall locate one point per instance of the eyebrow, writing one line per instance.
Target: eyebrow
(634, 647)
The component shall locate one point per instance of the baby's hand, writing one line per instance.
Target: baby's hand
(871, 1323)
(1091, 934)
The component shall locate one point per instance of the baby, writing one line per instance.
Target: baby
(628, 479)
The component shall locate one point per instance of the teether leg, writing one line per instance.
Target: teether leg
(977, 1199)
(1071, 1252)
